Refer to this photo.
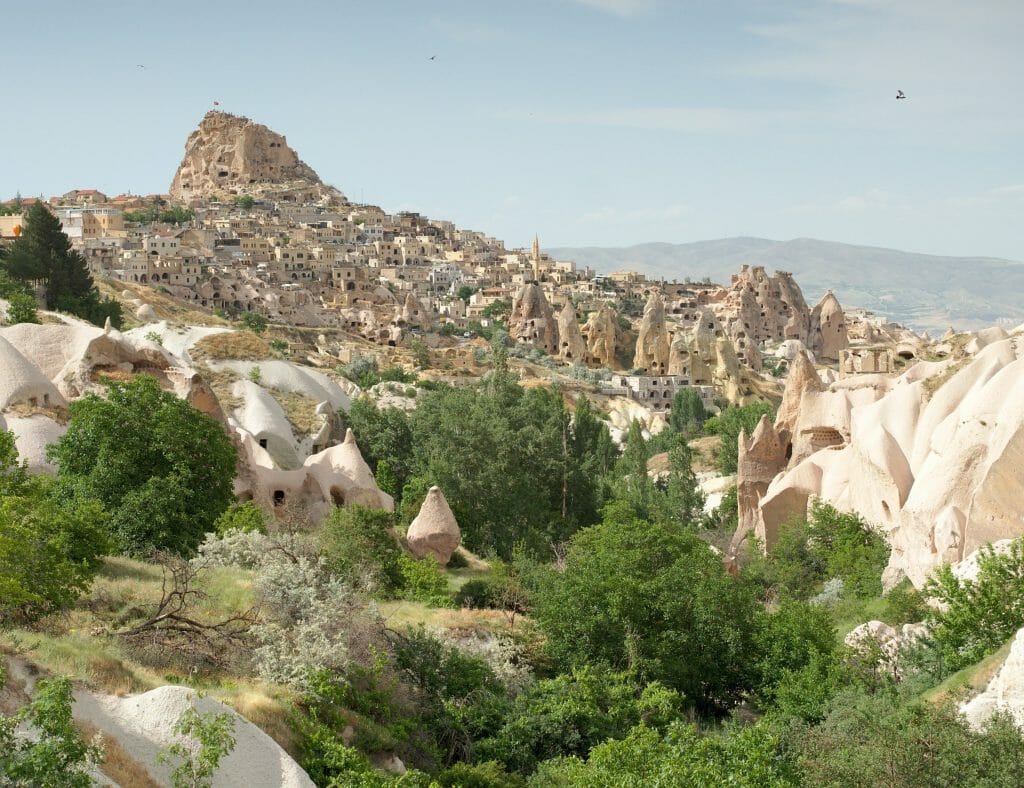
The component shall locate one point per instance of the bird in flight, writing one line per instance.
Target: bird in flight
(432, 57)
(141, 66)
(900, 95)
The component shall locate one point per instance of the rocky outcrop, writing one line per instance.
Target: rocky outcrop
(434, 532)
(228, 154)
(602, 337)
(828, 329)
(652, 342)
(760, 458)
(931, 458)
(532, 321)
(1004, 693)
(142, 727)
(571, 347)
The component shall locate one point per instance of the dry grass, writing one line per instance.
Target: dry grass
(704, 451)
(300, 410)
(223, 383)
(240, 345)
(935, 382)
(404, 615)
(117, 764)
(166, 306)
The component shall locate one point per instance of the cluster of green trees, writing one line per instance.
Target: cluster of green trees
(159, 212)
(42, 257)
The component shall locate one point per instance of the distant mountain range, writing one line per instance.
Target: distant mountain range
(922, 291)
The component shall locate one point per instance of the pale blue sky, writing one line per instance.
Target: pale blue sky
(591, 122)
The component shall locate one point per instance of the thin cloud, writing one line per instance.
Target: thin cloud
(666, 213)
(620, 7)
(689, 120)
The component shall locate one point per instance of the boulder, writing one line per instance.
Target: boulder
(434, 532)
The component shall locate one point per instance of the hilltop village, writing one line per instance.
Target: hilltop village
(426, 508)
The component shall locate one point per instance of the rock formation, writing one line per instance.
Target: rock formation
(228, 154)
(1004, 693)
(532, 321)
(761, 456)
(828, 329)
(571, 347)
(931, 458)
(652, 342)
(434, 532)
(143, 727)
(602, 336)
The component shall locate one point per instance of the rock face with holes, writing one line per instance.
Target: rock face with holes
(828, 338)
(653, 346)
(931, 458)
(229, 154)
(532, 320)
(601, 333)
(571, 347)
(434, 532)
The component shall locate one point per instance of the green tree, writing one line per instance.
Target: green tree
(683, 500)
(384, 436)
(729, 424)
(465, 292)
(49, 551)
(359, 546)
(420, 353)
(788, 640)
(748, 757)
(634, 484)
(653, 598)
(210, 737)
(253, 321)
(43, 254)
(57, 755)
(976, 617)
(245, 201)
(163, 469)
(573, 712)
(688, 414)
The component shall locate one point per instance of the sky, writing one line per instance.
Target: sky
(588, 122)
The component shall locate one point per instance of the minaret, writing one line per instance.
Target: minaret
(536, 259)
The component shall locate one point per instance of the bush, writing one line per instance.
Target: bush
(570, 714)
(742, 757)
(359, 547)
(248, 517)
(22, 308)
(829, 545)
(253, 321)
(363, 371)
(976, 617)
(57, 755)
(883, 739)
(313, 622)
(424, 581)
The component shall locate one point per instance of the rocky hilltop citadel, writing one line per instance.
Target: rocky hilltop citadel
(268, 301)
(230, 155)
